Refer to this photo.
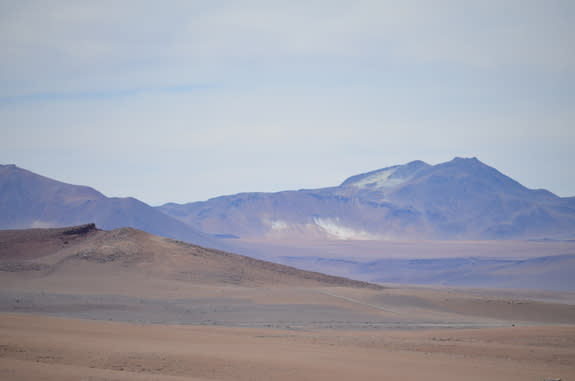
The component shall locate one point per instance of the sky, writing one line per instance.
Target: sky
(180, 101)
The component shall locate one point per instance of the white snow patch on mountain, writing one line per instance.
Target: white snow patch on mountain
(335, 229)
(279, 225)
(380, 179)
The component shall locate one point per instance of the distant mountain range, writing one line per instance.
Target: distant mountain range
(28, 200)
(459, 199)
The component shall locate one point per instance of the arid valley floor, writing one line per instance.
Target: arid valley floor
(44, 348)
(86, 304)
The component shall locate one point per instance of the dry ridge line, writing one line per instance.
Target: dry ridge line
(44, 252)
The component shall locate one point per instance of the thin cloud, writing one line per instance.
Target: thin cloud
(59, 42)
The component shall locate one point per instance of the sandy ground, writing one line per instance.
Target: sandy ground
(46, 348)
(110, 292)
(284, 307)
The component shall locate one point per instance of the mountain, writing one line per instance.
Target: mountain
(85, 251)
(28, 200)
(460, 199)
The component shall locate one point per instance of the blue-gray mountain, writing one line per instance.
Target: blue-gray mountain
(28, 200)
(459, 199)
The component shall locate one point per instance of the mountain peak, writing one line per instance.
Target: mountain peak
(10, 166)
(465, 161)
(458, 158)
(466, 165)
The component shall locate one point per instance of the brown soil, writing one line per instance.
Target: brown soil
(42, 348)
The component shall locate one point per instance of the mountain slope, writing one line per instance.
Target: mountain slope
(87, 251)
(459, 199)
(29, 200)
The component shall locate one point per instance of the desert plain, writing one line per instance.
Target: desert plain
(47, 348)
(86, 304)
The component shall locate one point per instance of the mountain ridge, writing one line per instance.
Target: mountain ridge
(459, 199)
(85, 249)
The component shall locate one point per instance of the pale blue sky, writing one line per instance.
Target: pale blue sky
(186, 100)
